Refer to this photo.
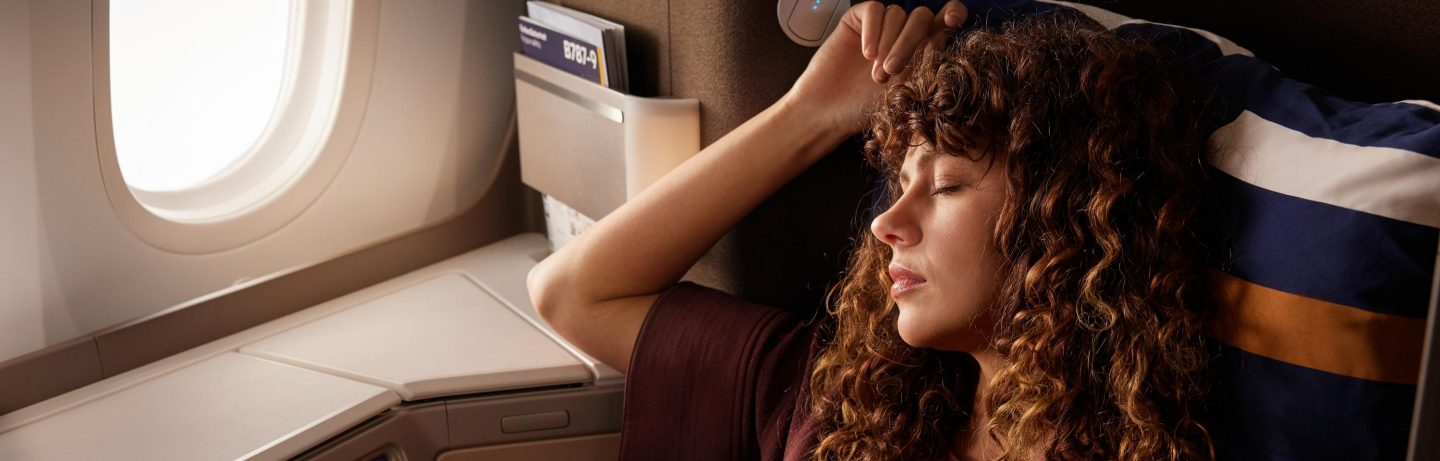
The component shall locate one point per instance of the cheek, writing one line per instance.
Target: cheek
(965, 256)
(965, 267)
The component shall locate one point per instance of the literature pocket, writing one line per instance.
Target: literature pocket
(592, 147)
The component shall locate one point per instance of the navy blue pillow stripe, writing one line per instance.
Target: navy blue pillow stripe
(1297, 105)
(1321, 251)
(1267, 409)
(1302, 107)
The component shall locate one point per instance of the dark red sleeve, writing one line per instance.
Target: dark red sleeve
(713, 377)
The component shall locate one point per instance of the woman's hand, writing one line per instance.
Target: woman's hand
(870, 48)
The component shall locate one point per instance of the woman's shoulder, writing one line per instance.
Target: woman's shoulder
(714, 373)
(697, 316)
(711, 331)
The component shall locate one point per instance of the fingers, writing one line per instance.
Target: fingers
(917, 29)
(950, 17)
(889, 36)
(870, 14)
(890, 28)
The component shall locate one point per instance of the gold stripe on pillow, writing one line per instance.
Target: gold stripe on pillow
(1317, 334)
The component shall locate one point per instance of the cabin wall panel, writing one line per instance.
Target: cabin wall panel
(32, 309)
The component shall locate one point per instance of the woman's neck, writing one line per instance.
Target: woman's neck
(972, 443)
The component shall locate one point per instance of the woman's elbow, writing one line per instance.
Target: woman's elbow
(540, 284)
(553, 293)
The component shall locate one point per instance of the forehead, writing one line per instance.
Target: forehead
(917, 157)
(921, 152)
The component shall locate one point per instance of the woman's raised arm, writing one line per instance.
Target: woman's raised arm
(597, 289)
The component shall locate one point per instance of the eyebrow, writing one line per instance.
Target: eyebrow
(926, 157)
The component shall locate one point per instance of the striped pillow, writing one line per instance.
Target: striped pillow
(1333, 213)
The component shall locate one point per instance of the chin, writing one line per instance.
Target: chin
(913, 331)
(931, 334)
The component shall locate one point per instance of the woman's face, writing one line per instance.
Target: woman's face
(946, 269)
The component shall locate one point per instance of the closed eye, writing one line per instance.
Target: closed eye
(947, 189)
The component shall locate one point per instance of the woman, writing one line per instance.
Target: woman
(1033, 290)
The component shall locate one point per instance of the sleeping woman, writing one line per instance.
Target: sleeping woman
(1034, 289)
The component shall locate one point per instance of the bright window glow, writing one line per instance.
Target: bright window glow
(193, 85)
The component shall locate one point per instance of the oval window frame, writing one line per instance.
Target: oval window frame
(323, 96)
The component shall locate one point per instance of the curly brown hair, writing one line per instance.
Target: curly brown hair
(1104, 298)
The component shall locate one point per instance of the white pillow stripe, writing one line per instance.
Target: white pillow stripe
(1421, 103)
(1394, 183)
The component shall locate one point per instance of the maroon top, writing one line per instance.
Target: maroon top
(714, 377)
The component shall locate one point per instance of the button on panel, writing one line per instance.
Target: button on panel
(535, 422)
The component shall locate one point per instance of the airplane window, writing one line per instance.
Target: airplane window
(219, 121)
(193, 85)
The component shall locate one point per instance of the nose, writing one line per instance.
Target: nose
(896, 227)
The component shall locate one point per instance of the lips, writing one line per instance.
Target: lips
(906, 280)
